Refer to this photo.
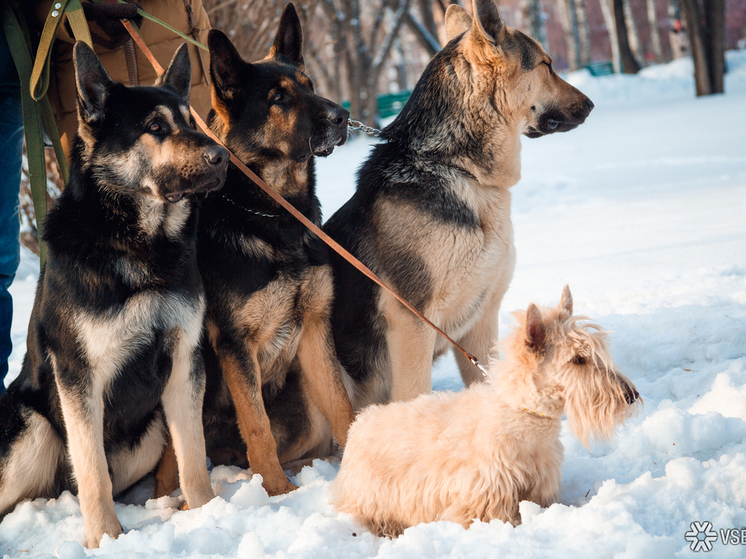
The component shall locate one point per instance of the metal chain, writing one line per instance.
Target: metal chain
(369, 130)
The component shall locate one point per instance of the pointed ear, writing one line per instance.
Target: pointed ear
(178, 75)
(566, 301)
(92, 81)
(288, 44)
(226, 65)
(535, 331)
(487, 22)
(458, 21)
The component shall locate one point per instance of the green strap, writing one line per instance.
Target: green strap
(76, 18)
(40, 73)
(32, 119)
(154, 19)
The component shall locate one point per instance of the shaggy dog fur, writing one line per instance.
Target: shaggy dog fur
(478, 453)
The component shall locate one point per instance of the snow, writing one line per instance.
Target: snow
(642, 211)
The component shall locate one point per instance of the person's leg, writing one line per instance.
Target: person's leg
(11, 149)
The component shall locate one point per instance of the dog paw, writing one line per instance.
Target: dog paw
(281, 487)
(92, 541)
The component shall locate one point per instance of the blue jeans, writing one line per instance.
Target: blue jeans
(11, 149)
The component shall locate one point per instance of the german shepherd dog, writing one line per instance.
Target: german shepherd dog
(431, 214)
(113, 364)
(267, 279)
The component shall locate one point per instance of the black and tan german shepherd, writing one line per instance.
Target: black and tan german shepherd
(113, 364)
(274, 372)
(431, 214)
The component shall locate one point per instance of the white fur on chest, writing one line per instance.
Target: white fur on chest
(108, 340)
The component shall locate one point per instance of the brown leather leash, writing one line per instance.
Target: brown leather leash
(334, 245)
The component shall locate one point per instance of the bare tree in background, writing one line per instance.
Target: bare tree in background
(364, 37)
(569, 20)
(629, 64)
(607, 11)
(633, 34)
(533, 22)
(584, 32)
(705, 24)
(655, 37)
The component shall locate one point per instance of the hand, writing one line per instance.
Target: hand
(103, 21)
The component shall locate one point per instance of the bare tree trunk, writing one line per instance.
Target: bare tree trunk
(655, 37)
(608, 14)
(584, 33)
(533, 22)
(426, 16)
(629, 64)
(706, 29)
(632, 32)
(427, 39)
(569, 21)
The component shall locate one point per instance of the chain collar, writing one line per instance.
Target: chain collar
(369, 130)
(247, 209)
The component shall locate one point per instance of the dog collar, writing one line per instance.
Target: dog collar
(536, 413)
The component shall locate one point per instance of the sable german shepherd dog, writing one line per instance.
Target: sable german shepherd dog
(431, 214)
(267, 279)
(113, 364)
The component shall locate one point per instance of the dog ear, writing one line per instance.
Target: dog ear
(288, 44)
(92, 81)
(178, 75)
(226, 65)
(487, 22)
(535, 331)
(566, 301)
(458, 21)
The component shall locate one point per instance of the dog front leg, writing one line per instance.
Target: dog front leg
(480, 341)
(322, 376)
(244, 382)
(83, 412)
(411, 344)
(182, 402)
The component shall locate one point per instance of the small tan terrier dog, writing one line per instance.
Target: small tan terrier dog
(478, 453)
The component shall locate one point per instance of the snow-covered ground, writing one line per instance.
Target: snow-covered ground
(642, 211)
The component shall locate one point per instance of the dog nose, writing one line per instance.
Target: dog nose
(338, 116)
(631, 395)
(216, 155)
(589, 105)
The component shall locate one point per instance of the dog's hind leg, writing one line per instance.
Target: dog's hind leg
(83, 410)
(182, 402)
(32, 457)
(411, 345)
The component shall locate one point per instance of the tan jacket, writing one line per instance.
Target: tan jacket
(162, 42)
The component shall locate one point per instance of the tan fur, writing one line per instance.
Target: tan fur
(255, 429)
(478, 453)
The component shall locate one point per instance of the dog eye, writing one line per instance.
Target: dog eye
(193, 123)
(155, 127)
(277, 97)
(578, 360)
